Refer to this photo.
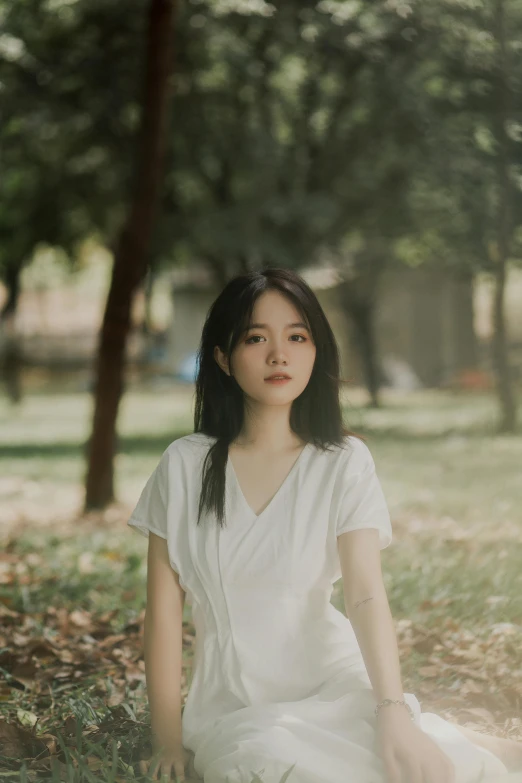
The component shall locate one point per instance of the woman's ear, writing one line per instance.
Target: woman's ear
(222, 360)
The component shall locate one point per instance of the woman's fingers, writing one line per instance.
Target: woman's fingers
(151, 769)
(163, 771)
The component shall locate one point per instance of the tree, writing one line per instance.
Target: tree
(285, 154)
(131, 257)
(362, 130)
(474, 204)
(505, 223)
(68, 74)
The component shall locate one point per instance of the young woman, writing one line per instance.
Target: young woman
(253, 517)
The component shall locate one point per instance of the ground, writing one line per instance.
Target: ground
(72, 586)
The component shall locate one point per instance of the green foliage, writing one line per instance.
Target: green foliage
(293, 127)
(69, 73)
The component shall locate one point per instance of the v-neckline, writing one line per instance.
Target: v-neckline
(278, 491)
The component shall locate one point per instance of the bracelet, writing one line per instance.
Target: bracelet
(394, 701)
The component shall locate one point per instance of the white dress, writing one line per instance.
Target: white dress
(278, 676)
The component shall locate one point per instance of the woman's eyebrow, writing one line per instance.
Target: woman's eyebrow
(296, 325)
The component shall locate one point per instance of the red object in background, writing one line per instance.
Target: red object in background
(473, 380)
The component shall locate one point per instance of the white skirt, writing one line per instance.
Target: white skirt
(329, 737)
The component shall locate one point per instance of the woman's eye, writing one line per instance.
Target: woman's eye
(258, 335)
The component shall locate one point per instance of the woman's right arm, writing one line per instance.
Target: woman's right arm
(163, 646)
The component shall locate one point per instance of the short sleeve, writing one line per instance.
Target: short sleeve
(151, 511)
(164, 507)
(363, 504)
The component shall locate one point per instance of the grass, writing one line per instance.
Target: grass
(78, 582)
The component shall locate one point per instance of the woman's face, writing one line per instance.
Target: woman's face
(276, 346)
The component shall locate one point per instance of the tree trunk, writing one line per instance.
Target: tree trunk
(465, 355)
(358, 295)
(148, 290)
(11, 359)
(506, 397)
(11, 279)
(500, 253)
(363, 322)
(426, 286)
(359, 310)
(131, 256)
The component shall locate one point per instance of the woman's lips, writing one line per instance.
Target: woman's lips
(281, 380)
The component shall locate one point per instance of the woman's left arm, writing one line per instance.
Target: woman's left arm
(401, 742)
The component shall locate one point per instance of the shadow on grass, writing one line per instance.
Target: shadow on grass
(401, 434)
(145, 444)
(156, 444)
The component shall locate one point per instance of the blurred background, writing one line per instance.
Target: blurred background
(150, 153)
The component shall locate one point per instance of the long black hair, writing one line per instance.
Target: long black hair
(316, 415)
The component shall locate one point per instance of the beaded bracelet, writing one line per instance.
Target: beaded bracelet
(395, 701)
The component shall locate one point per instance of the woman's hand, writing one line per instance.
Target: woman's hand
(167, 763)
(408, 753)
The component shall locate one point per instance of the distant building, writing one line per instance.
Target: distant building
(424, 322)
(429, 327)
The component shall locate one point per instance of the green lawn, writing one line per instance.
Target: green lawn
(452, 573)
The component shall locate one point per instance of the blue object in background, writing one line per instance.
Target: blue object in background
(188, 368)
